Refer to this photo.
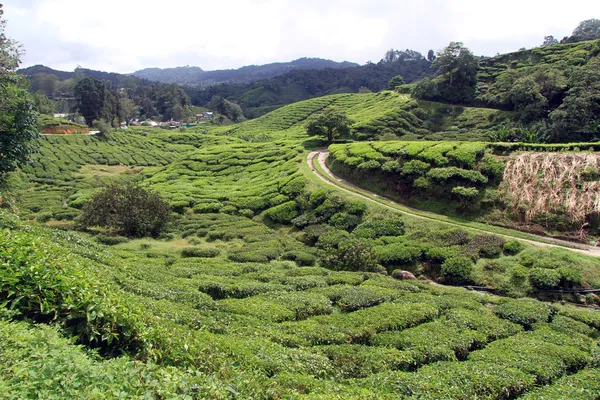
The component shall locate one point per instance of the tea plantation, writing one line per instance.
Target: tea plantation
(266, 284)
(538, 187)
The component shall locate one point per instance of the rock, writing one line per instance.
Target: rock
(404, 275)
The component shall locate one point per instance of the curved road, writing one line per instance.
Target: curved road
(341, 184)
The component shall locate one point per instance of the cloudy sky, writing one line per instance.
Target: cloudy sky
(127, 35)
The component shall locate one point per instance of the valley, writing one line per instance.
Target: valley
(417, 228)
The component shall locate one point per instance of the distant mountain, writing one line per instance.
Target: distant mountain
(115, 78)
(264, 95)
(195, 76)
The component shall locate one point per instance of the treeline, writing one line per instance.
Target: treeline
(262, 96)
(111, 97)
(555, 88)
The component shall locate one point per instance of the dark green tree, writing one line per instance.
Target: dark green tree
(395, 82)
(586, 30)
(18, 129)
(127, 209)
(431, 56)
(330, 123)
(350, 255)
(578, 117)
(457, 73)
(549, 41)
(90, 99)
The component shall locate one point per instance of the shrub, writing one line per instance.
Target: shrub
(441, 254)
(344, 221)
(391, 166)
(398, 253)
(422, 183)
(486, 246)
(492, 167)
(513, 247)
(200, 252)
(446, 174)
(415, 168)
(111, 240)
(301, 258)
(457, 269)
(127, 208)
(542, 278)
(283, 213)
(465, 193)
(350, 255)
(393, 226)
(524, 312)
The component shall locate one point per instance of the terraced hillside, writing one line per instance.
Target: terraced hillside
(208, 327)
(269, 285)
(536, 187)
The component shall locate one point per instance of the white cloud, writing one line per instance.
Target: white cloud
(125, 35)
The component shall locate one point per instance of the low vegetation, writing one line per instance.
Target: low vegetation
(547, 186)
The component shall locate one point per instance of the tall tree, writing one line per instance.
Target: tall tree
(549, 41)
(395, 82)
(431, 56)
(330, 123)
(18, 129)
(457, 68)
(586, 30)
(90, 98)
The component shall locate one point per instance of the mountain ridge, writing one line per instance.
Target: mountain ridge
(196, 76)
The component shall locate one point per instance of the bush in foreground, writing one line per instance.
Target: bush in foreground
(127, 209)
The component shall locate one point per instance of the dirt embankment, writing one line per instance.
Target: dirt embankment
(64, 130)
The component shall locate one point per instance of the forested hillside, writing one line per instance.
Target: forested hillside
(196, 77)
(116, 97)
(260, 97)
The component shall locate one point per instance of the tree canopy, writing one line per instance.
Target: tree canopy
(127, 209)
(90, 97)
(456, 76)
(18, 128)
(457, 68)
(330, 123)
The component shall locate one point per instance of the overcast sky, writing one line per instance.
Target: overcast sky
(127, 35)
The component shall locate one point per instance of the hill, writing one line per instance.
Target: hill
(267, 284)
(258, 98)
(554, 88)
(120, 80)
(195, 76)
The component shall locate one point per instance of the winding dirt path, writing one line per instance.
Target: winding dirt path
(331, 179)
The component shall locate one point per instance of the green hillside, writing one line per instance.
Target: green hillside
(535, 187)
(268, 284)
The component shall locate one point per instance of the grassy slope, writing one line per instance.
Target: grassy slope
(268, 329)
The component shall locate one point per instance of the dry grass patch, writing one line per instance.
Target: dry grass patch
(541, 183)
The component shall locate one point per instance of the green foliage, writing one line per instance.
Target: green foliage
(109, 240)
(283, 213)
(396, 81)
(445, 174)
(44, 283)
(457, 269)
(524, 312)
(465, 193)
(331, 123)
(128, 209)
(209, 252)
(18, 129)
(457, 71)
(398, 253)
(350, 255)
(375, 228)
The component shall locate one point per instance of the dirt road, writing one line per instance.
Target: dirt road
(343, 185)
